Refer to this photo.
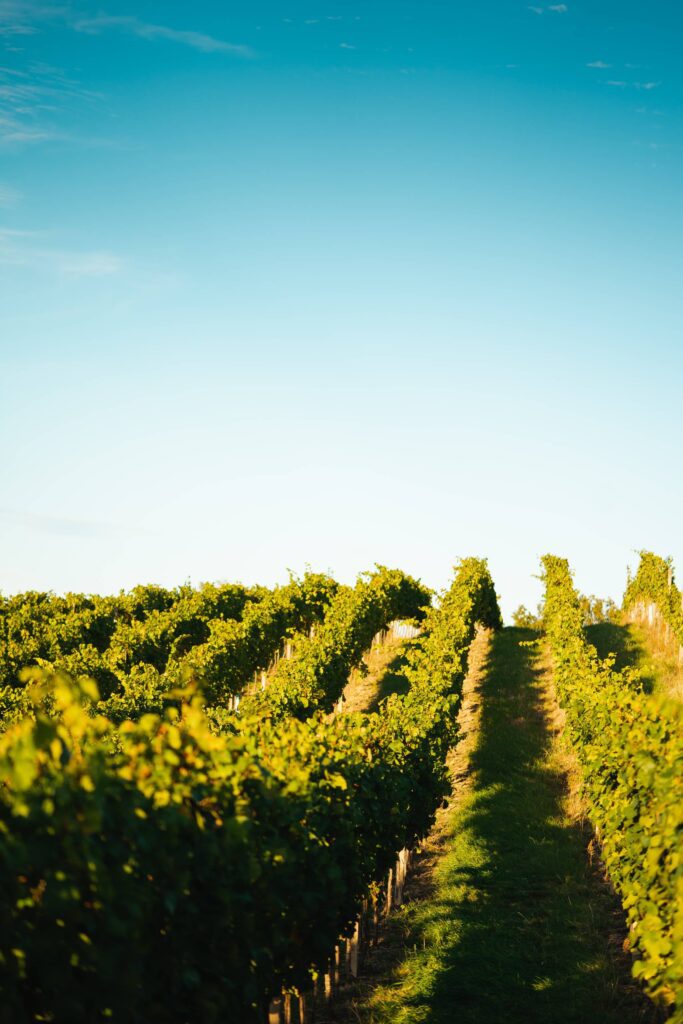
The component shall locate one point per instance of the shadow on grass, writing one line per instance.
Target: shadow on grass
(610, 638)
(518, 927)
(393, 680)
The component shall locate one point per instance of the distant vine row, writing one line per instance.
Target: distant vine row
(654, 583)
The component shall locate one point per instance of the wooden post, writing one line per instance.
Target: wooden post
(390, 892)
(319, 989)
(276, 1011)
(400, 876)
(353, 960)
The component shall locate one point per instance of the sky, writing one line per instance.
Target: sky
(329, 284)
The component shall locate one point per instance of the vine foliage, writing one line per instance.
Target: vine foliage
(654, 583)
(630, 746)
(155, 871)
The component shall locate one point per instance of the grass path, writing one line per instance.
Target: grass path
(508, 921)
(383, 675)
(640, 647)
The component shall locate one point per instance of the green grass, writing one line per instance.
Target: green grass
(611, 638)
(518, 928)
(635, 646)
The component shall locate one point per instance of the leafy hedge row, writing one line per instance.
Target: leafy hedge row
(315, 677)
(630, 746)
(139, 626)
(234, 649)
(151, 639)
(156, 872)
(651, 584)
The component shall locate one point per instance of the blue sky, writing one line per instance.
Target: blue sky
(336, 283)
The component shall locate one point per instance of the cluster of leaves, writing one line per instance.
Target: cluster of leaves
(654, 583)
(157, 872)
(630, 746)
(524, 618)
(105, 637)
(597, 609)
(316, 675)
(593, 610)
(140, 645)
(440, 655)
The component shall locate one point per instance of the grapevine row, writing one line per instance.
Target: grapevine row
(630, 746)
(314, 678)
(140, 645)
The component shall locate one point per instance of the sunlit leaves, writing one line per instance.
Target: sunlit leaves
(631, 748)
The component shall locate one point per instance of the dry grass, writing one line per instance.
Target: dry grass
(379, 676)
(645, 648)
(664, 654)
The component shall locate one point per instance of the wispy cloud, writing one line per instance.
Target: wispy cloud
(8, 196)
(598, 64)
(37, 522)
(33, 98)
(553, 8)
(99, 263)
(17, 30)
(645, 86)
(346, 46)
(12, 132)
(145, 30)
(19, 17)
(39, 103)
(24, 17)
(27, 249)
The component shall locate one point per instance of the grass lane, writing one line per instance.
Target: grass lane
(638, 646)
(516, 925)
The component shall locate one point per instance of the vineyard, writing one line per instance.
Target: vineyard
(207, 815)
